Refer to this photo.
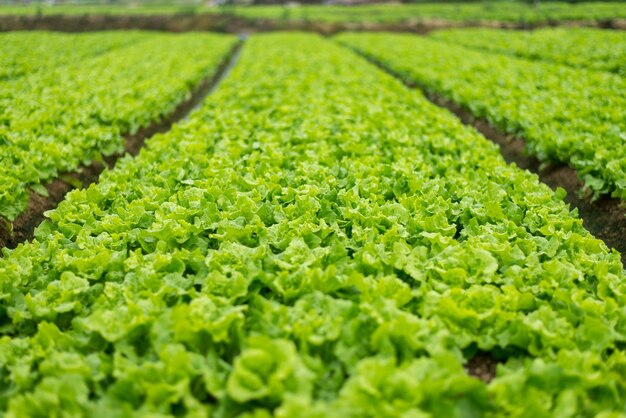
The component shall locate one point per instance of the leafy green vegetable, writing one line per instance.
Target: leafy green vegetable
(581, 47)
(317, 240)
(568, 115)
(77, 110)
(494, 11)
(24, 53)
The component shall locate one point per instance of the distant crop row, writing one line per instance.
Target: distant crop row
(570, 115)
(505, 11)
(24, 53)
(68, 112)
(316, 241)
(486, 11)
(583, 48)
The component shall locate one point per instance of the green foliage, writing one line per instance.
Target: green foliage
(574, 116)
(75, 110)
(504, 11)
(583, 48)
(469, 11)
(27, 52)
(317, 240)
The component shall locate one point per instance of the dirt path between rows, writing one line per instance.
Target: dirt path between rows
(605, 218)
(22, 229)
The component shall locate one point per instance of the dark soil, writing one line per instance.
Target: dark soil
(23, 227)
(605, 217)
(26, 223)
(482, 366)
(234, 24)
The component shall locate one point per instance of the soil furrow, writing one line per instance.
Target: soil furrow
(605, 217)
(22, 229)
(224, 71)
(483, 366)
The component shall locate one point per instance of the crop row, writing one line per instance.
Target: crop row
(583, 48)
(486, 11)
(568, 115)
(317, 240)
(53, 121)
(28, 52)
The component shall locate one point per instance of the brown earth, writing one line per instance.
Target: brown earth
(234, 24)
(23, 227)
(482, 366)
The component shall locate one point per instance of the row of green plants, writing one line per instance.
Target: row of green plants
(317, 240)
(24, 53)
(485, 11)
(54, 120)
(505, 11)
(595, 49)
(564, 114)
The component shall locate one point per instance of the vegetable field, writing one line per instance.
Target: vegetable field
(115, 92)
(583, 48)
(315, 239)
(575, 116)
(548, 11)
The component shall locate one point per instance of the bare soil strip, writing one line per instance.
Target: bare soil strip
(235, 24)
(23, 227)
(482, 366)
(224, 71)
(605, 217)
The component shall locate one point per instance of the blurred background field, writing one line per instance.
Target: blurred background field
(341, 11)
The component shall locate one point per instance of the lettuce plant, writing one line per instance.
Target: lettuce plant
(316, 240)
(55, 119)
(568, 115)
(595, 49)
